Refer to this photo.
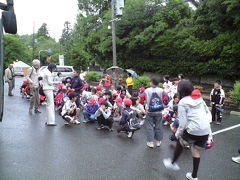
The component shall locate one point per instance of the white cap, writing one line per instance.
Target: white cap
(36, 62)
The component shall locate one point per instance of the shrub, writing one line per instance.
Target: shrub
(92, 76)
(160, 85)
(236, 92)
(142, 81)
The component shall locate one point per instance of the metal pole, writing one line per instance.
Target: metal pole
(114, 34)
(33, 41)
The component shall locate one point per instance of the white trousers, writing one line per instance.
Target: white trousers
(50, 106)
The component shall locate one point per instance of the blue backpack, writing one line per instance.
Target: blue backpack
(156, 103)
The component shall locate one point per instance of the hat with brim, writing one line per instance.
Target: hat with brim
(91, 101)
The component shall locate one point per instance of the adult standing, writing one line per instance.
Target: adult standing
(107, 81)
(114, 78)
(156, 98)
(33, 74)
(48, 87)
(194, 127)
(10, 79)
(77, 85)
(130, 83)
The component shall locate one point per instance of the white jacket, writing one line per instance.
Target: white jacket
(193, 118)
(47, 80)
(32, 77)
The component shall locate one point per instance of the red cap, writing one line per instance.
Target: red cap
(86, 85)
(60, 86)
(141, 89)
(99, 87)
(118, 99)
(196, 94)
(113, 87)
(91, 101)
(128, 102)
(25, 81)
(115, 94)
(101, 100)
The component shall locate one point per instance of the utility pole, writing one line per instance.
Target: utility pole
(33, 41)
(114, 48)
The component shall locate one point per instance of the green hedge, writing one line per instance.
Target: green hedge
(92, 77)
(236, 92)
(144, 81)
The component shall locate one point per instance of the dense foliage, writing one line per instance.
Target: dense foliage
(168, 38)
(21, 47)
(142, 81)
(93, 77)
(236, 92)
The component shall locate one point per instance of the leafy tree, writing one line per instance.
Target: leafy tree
(43, 32)
(15, 50)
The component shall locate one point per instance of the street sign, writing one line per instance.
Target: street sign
(49, 51)
(61, 60)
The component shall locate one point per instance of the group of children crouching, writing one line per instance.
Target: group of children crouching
(103, 107)
(108, 106)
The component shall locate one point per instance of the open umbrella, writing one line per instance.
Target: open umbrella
(117, 70)
(133, 73)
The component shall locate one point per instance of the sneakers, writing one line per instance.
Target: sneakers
(150, 144)
(84, 121)
(236, 159)
(130, 134)
(218, 123)
(76, 122)
(99, 128)
(37, 111)
(169, 165)
(165, 123)
(158, 143)
(66, 123)
(189, 176)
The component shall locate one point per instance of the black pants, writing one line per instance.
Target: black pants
(215, 113)
(130, 89)
(106, 122)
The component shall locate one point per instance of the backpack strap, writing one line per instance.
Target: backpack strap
(31, 72)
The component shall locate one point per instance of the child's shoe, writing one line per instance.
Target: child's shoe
(150, 144)
(189, 176)
(169, 165)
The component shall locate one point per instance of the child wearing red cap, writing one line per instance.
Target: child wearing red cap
(142, 96)
(124, 126)
(117, 109)
(90, 110)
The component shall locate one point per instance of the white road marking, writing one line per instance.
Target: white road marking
(226, 129)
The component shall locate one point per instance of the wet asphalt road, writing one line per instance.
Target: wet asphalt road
(31, 151)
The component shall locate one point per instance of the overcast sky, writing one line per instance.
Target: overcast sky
(52, 12)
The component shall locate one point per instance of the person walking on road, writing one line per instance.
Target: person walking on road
(48, 87)
(194, 127)
(33, 74)
(10, 79)
(156, 98)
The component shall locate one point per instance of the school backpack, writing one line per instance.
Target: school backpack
(156, 103)
(133, 121)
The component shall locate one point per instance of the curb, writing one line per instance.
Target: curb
(235, 113)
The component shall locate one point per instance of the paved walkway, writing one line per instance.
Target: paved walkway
(31, 151)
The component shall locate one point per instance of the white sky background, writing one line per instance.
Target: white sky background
(52, 12)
